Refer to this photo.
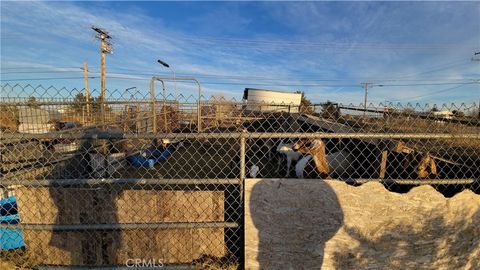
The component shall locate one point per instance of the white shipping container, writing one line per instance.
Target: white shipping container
(270, 100)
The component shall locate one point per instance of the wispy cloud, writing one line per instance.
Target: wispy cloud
(308, 40)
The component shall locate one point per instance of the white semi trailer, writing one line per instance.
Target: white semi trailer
(272, 100)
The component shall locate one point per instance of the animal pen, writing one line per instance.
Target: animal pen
(161, 180)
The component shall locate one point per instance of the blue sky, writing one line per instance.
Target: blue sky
(326, 49)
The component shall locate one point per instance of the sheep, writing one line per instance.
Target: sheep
(285, 149)
(317, 164)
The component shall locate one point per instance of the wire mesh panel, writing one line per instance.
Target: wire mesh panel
(155, 179)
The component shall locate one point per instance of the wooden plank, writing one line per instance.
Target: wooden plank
(383, 164)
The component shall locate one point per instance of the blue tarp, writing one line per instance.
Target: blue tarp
(10, 238)
(8, 206)
(150, 157)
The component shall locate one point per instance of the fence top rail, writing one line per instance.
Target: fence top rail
(249, 135)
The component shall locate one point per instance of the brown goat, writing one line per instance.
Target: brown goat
(426, 167)
(315, 152)
(317, 164)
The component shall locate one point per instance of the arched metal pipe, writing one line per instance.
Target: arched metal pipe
(152, 97)
(199, 104)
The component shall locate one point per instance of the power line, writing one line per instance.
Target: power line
(14, 68)
(430, 93)
(249, 77)
(49, 78)
(40, 72)
(425, 84)
(252, 83)
(236, 77)
(331, 45)
(439, 68)
(246, 83)
(308, 85)
(257, 78)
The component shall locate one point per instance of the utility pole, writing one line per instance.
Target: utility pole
(365, 87)
(87, 95)
(105, 47)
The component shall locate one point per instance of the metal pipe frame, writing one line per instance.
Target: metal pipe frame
(465, 181)
(199, 105)
(119, 226)
(117, 181)
(242, 164)
(228, 181)
(153, 101)
(253, 135)
(120, 101)
(118, 267)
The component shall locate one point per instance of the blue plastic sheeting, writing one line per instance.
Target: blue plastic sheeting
(150, 157)
(141, 161)
(8, 206)
(10, 238)
(159, 155)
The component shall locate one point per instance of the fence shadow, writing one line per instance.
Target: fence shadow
(294, 220)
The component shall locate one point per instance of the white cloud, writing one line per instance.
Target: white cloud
(58, 34)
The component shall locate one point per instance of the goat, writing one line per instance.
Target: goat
(285, 149)
(426, 167)
(418, 166)
(254, 171)
(317, 164)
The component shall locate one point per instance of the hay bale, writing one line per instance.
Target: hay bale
(40, 205)
(329, 224)
(116, 247)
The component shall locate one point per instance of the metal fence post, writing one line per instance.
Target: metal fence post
(242, 163)
(154, 114)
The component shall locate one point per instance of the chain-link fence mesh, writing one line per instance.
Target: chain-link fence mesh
(138, 178)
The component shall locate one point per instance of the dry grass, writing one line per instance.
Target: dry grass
(214, 263)
(15, 260)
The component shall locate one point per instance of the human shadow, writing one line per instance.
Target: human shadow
(294, 219)
(80, 207)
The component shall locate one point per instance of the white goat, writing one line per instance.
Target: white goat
(285, 149)
(254, 171)
(316, 164)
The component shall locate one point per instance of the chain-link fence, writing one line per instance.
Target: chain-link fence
(147, 179)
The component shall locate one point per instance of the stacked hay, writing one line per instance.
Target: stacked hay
(72, 206)
(328, 224)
